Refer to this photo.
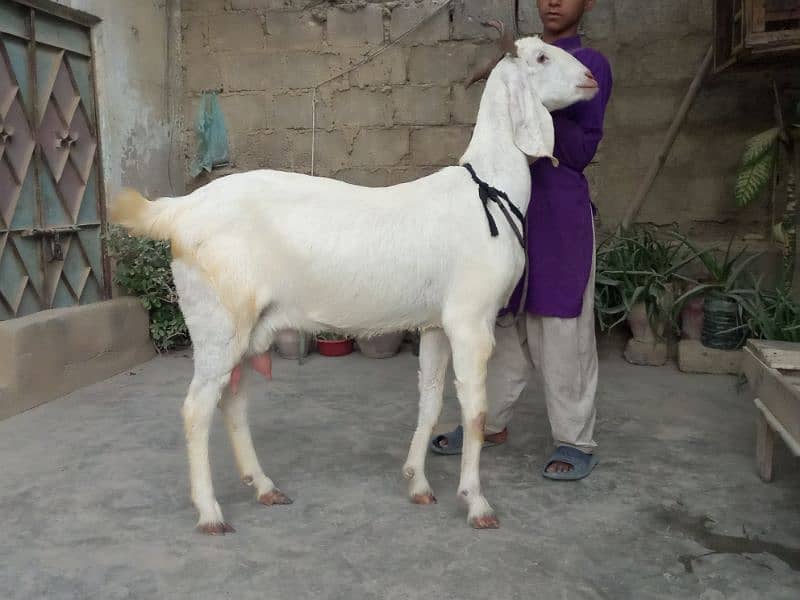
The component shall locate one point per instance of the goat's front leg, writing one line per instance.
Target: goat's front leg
(234, 411)
(198, 409)
(472, 347)
(434, 354)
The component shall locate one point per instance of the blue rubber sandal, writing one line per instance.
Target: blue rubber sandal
(455, 442)
(582, 464)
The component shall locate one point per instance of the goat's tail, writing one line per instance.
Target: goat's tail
(140, 216)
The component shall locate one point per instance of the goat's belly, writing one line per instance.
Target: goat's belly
(361, 304)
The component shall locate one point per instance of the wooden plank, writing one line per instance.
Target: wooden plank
(775, 392)
(777, 355)
(765, 447)
(778, 428)
(757, 15)
(786, 39)
(783, 15)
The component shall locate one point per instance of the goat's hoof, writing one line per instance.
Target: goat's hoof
(274, 497)
(423, 499)
(485, 522)
(215, 528)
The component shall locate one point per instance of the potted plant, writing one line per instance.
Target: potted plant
(691, 319)
(724, 299)
(381, 346)
(330, 343)
(636, 276)
(292, 344)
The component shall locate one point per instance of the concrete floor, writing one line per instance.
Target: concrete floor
(94, 498)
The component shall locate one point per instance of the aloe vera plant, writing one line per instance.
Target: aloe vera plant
(724, 275)
(773, 315)
(639, 265)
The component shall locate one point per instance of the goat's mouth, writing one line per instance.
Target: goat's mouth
(588, 86)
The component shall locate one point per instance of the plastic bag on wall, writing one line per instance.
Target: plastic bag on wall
(213, 134)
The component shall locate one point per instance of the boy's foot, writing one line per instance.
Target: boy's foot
(569, 464)
(452, 442)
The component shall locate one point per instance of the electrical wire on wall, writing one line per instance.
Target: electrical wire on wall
(444, 4)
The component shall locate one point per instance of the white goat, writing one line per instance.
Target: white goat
(257, 252)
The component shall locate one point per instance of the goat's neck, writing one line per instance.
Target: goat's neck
(492, 151)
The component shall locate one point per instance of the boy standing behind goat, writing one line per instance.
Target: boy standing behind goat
(557, 331)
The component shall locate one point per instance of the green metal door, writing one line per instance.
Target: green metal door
(51, 251)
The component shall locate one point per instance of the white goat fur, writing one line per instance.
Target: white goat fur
(265, 250)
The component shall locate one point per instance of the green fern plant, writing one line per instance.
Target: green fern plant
(766, 157)
(758, 166)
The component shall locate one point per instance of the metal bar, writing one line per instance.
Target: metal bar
(49, 231)
(63, 12)
(101, 188)
(44, 293)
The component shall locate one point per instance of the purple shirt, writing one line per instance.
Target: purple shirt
(559, 220)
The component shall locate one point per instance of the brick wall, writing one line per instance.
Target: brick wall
(405, 114)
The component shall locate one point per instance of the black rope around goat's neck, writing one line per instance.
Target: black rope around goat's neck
(488, 193)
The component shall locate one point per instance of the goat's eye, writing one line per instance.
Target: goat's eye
(542, 58)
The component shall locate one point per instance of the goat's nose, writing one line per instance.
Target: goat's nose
(591, 82)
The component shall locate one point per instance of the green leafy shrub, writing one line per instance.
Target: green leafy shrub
(143, 270)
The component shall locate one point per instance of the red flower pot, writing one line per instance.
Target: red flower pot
(334, 347)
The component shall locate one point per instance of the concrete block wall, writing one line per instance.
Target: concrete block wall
(406, 114)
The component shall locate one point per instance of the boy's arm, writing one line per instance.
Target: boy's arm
(577, 138)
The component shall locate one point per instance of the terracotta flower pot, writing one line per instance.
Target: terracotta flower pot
(381, 346)
(692, 319)
(287, 342)
(640, 324)
(340, 347)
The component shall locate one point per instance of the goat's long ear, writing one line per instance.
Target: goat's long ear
(531, 123)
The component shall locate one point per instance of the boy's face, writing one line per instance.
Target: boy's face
(560, 15)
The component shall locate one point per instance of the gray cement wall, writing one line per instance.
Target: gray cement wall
(406, 114)
(133, 53)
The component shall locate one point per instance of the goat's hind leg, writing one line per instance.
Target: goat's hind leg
(198, 410)
(234, 411)
(434, 354)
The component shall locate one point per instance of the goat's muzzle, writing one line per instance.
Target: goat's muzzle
(590, 83)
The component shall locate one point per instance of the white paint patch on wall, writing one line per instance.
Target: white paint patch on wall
(131, 58)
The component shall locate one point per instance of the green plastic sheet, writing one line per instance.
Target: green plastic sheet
(213, 135)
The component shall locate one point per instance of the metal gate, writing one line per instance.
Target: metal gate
(51, 249)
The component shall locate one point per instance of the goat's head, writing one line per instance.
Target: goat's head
(539, 78)
(558, 78)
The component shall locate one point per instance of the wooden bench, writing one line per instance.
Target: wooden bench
(773, 374)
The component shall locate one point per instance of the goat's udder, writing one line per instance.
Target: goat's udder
(261, 363)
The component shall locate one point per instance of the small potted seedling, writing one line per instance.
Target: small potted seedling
(330, 343)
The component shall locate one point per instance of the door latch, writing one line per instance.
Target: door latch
(55, 250)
